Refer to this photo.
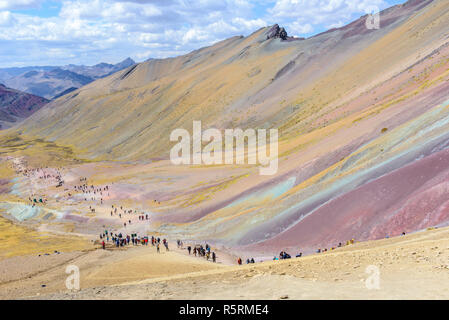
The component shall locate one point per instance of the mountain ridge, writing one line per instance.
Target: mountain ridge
(51, 81)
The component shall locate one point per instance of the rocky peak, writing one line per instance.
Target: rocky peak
(277, 32)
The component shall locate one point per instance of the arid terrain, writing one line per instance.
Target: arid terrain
(414, 266)
(363, 157)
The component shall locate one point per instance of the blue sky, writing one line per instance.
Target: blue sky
(40, 32)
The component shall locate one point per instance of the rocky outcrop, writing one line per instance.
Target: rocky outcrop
(277, 32)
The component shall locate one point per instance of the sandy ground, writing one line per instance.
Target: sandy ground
(34, 257)
(414, 266)
(35, 275)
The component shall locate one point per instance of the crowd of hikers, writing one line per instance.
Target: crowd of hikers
(90, 192)
(120, 212)
(200, 251)
(120, 240)
(348, 242)
(50, 176)
(284, 255)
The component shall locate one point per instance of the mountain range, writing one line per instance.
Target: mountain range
(362, 116)
(53, 81)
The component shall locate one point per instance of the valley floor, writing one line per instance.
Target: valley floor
(414, 266)
(45, 238)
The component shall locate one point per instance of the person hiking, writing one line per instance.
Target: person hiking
(103, 245)
(239, 261)
(158, 249)
(214, 257)
(189, 248)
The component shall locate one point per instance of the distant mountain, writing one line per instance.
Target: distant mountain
(47, 83)
(100, 70)
(8, 73)
(52, 81)
(16, 105)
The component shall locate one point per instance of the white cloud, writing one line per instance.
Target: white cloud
(249, 25)
(194, 35)
(111, 11)
(109, 30)
(19, 4)
(327, 12)
(148, 37)
(295, 28)
(6, 18)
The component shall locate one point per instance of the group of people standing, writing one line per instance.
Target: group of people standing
(120, 240)
(200, 251)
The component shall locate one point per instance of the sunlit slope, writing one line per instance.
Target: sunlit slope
(131, 114)
(248, 81)
(374, 166)
(362, 115)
